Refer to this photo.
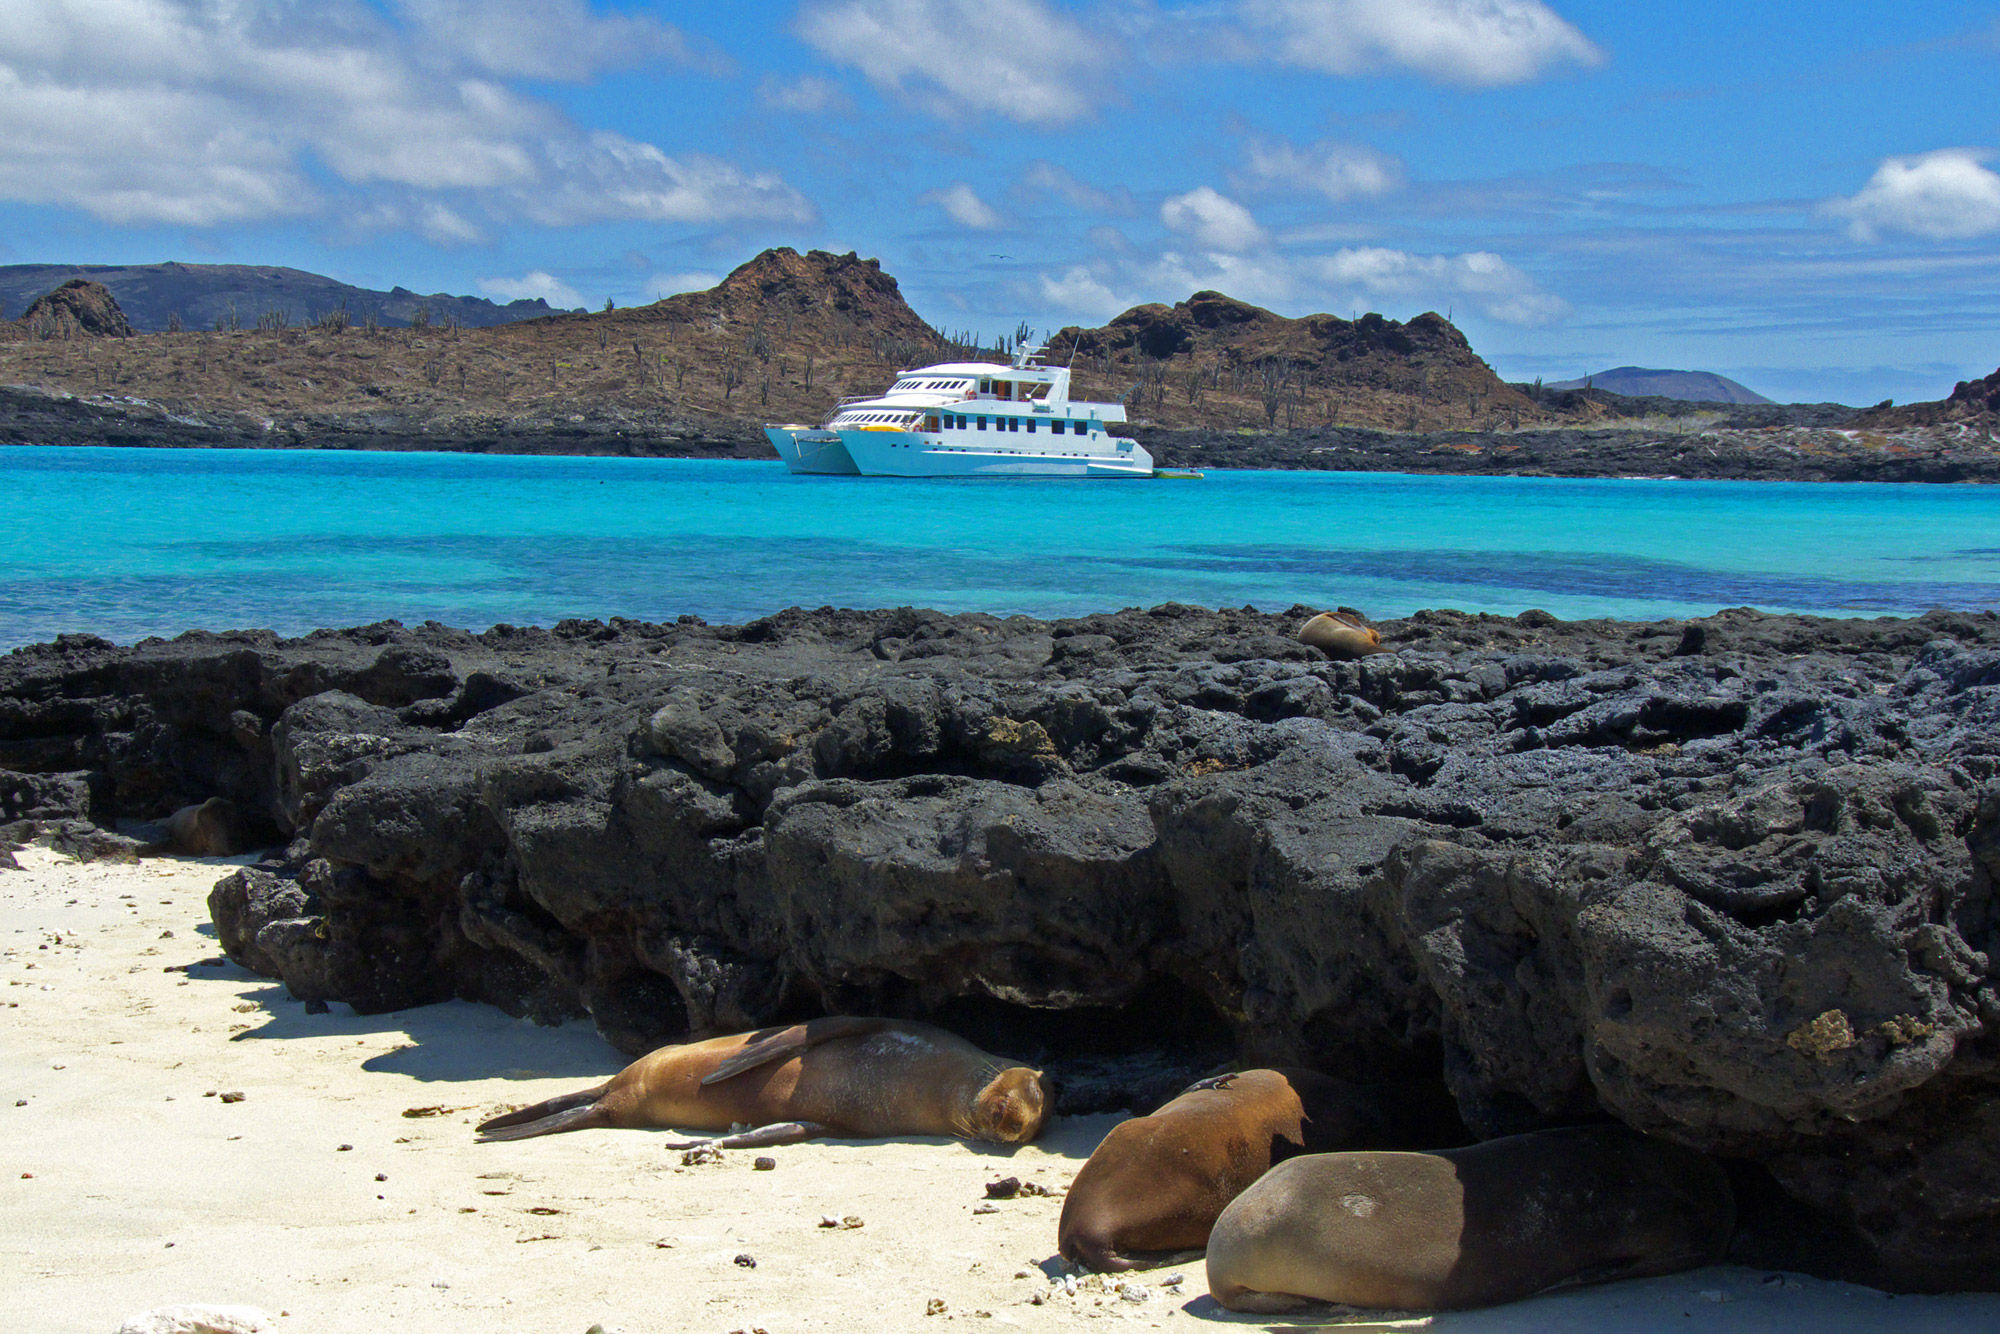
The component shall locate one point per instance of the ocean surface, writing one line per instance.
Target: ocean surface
(127, 543)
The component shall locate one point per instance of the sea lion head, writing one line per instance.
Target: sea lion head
(1012, 1107)
(1341, 636)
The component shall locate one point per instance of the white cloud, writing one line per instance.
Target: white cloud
(1047, 176)
(1021, 59)
(442, 226)
(1213, 220)
(198, 112)
(1368, 277)
(1474, 43)
(1265, 280)
(605, 176)
(1946, 195)
(963, 206)
(528, 286)
(1494, 287)
(543, 39)
(1339, 171)
(673, 284)
(808, 95)
(1079, 290)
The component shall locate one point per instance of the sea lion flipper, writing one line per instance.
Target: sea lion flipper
(778, 1132)
(781, 1044)
(572, 1112)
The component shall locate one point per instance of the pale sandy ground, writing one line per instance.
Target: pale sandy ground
(124, 1186)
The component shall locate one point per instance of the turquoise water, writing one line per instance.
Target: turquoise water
(127, 543)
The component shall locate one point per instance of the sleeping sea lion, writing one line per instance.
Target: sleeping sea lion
(1341, 636)
(834, 1076)
(211, 829)
(1478, 1226)
(1156, 1183)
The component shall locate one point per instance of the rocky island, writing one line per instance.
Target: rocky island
(1209, 382)
(1730, 881)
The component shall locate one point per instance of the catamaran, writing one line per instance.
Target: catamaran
(968, 419)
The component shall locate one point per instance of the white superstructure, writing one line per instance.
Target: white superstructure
(968, 419)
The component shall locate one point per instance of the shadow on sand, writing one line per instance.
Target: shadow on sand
(448, 1042)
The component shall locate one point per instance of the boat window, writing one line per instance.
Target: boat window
(982, 423)
(1031, 426)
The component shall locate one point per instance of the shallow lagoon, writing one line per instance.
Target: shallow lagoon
(127, 543)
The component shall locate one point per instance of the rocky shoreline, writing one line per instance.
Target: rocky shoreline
(1813, 448)
(1786, 453)
(1731, 881)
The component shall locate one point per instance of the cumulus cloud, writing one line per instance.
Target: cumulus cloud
(1489, 283)
(963, 206)
(673, 284)
(1021, 59)
(1213, 220)
(1472, 43)
(604, 176)
(1946, 195)
(535, 283)
(1267, 279)
(198, 113)
(1079, 290)
(1368, 277)
(1339, 171)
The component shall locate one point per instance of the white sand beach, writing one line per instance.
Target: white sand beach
(343, 1191)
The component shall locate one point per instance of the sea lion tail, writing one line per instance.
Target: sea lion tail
(571, 1111)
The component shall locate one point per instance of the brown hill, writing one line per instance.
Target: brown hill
(1973, 402)
(77, 309)
(782, 338)
(1218, 362)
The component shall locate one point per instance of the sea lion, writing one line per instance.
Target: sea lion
(839, 1075)
(1477, 1226)
(1341, 636)
(1156, 1183)
(211, 829)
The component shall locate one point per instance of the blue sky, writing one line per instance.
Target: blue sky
(1805, 198)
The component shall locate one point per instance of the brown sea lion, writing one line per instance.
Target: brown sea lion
(834, 1076)
(211, 829)
(1341, 636)
(1478, 1226)
(1156, 1183)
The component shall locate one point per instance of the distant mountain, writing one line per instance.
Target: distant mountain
(1688, 386)
(225, 296)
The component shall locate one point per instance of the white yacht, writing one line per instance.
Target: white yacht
(968, 419)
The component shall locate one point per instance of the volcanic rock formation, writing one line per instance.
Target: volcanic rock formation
(78, 309)
(1730, 881)
(1971, 402)
(1214, 360)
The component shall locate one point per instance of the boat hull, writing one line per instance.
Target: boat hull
(807, 449)
(879, 453)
